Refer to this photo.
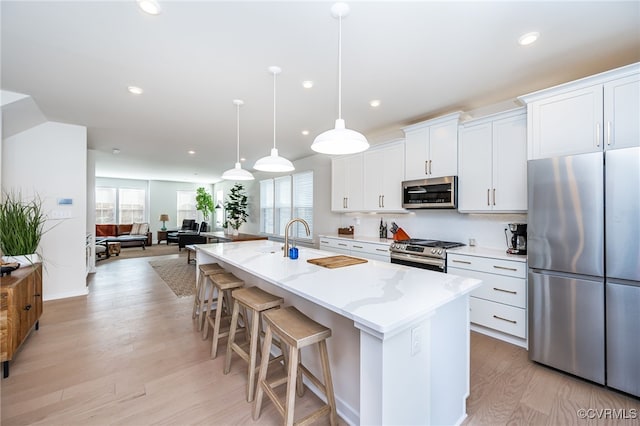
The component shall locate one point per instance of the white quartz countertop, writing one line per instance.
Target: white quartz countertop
(381, 296)
(488, 252)
(362, 239)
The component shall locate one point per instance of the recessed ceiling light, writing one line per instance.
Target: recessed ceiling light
(305, 132)
(528, 38)
(191, 152)
(135, 90)
(307, 84)
(150, 6)
(375, 103)
(115, 151)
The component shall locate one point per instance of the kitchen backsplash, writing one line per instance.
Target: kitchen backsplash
(447, 225)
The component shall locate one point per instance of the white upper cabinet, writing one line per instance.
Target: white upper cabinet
(622, 112)
(346, 183)
(383, 176)
(493, 163)
(588, 115)
(431, 148)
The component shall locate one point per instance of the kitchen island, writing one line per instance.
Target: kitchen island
(399, 351)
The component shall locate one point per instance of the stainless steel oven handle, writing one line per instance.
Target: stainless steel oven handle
(419, 259)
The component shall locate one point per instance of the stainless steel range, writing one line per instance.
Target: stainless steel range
(425, 254)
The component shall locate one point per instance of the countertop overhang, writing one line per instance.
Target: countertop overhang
(383, 297)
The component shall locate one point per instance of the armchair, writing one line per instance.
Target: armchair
(189, 234)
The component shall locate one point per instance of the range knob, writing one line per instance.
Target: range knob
(433, 251)
(439, 251)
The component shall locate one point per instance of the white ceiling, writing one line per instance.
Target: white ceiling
(421, 59)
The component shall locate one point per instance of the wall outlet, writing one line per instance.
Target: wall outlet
(416, 340)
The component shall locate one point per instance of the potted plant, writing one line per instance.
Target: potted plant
(204, 203)
(236, 207)
(21, 227)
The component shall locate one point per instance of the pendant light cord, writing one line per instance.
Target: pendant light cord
(238, 133)
(340, 67)
(274, 108)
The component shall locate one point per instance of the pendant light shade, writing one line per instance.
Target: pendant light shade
(273, 162)
(237, 173)
(340, 140)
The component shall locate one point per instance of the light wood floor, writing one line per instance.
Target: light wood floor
(128, 354)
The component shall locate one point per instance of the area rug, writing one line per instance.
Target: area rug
(179, 275)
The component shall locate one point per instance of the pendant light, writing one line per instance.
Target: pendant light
(237, 173)
(273, 162)
(340, 140)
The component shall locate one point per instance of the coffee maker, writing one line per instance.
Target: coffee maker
(518, 238)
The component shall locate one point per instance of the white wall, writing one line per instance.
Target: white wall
(51, 160)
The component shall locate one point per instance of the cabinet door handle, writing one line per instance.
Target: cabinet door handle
(494, 196)
(505, 268)
(505, 291)
(357, 246)
(608, 133)
(426, 167)
(430, 167)
(488, 192)
(597, 134)
(383, 250)
(37, 295)
(341, 244)
(504, 319)
(461, 261)
(26, 308)
(382, 202)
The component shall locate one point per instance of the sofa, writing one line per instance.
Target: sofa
(128, 235)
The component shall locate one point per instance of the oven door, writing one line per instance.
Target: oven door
(430, 263)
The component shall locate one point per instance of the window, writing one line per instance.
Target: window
(131, 205)
(186, 206)
(120, 205)
(219, 210)
(284, 198)
(106, 205)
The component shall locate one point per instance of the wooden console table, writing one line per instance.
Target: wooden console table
(21, 303)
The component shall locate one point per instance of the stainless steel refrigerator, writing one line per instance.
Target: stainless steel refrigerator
(584, 266)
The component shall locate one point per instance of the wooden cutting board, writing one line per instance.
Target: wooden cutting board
(333, 262)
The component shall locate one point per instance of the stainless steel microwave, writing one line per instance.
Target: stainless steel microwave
(433, 193)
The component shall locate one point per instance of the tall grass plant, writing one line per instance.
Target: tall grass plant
(21, 224)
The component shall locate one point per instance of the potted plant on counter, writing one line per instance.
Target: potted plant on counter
(21, 228)
(236, 207)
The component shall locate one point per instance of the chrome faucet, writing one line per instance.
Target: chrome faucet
(286, 233)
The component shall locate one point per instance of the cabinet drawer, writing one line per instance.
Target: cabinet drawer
(497, 288)
(489, 265)
(334, 243)
(371, 248)
(497, 316)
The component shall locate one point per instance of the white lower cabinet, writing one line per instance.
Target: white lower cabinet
(499, 307)
(359, 248)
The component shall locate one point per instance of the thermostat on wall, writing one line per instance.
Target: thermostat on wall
(65, 201)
